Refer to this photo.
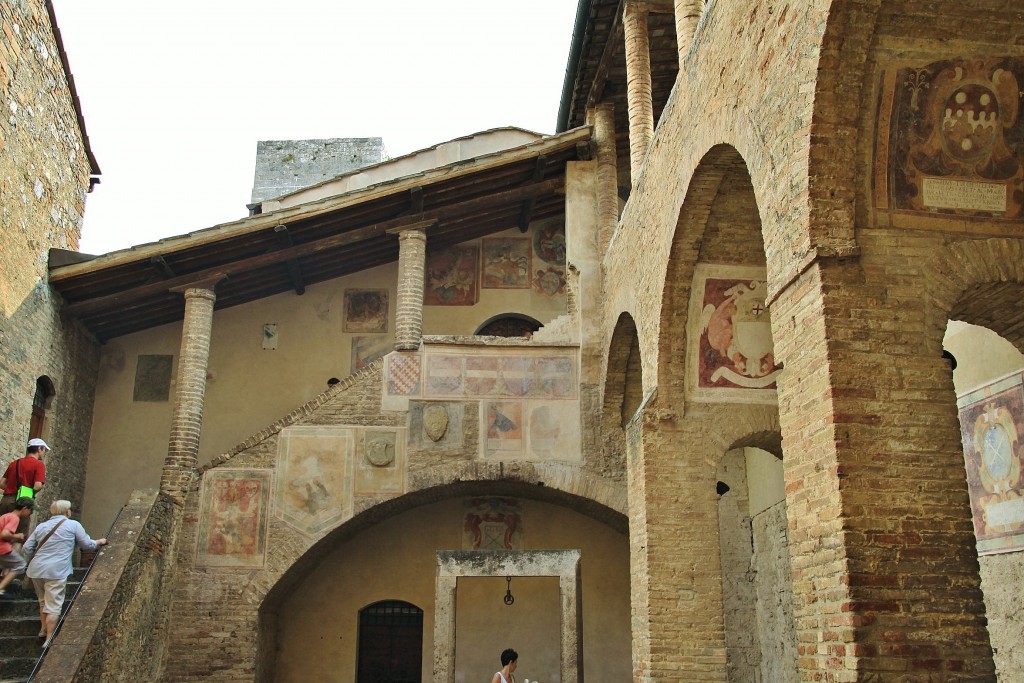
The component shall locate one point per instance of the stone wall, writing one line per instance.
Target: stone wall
(284, 166)
(774, 589)
(125, 595)
(44, 176)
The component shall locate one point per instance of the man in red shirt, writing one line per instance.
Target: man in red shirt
(11, 560)
(28, 471)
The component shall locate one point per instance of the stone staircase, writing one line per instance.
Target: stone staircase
(19, 624)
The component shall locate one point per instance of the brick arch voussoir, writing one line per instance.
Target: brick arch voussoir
(553, 482)
(961, 267)
(834, 132)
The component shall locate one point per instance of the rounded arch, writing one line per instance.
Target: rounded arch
(977, 281)
(559, 484)
(624, 385)
(508, 325)
(719, 222)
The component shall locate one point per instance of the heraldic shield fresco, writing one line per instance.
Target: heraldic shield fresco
(233, 518)
(992, 426)
(314, 480)
(730, 356)
(951, 140)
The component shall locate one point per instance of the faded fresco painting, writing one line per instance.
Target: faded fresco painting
(730, 350)
(503, 421)
(549, 281)
(233, 518)
(492, 524)
(452, 275)
(549, 243)
(313, 476)
(951, 139)
(553, 430)
(366, 310)
(380, 461)
(506, 263)
(992, 426)
(541, 374)
(402, 374)
(366, 349)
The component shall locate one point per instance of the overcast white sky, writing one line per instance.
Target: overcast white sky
(176, 94)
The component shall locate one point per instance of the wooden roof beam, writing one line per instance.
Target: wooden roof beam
(421, 221)
(294, 270)
(526, 209)
(616, 39)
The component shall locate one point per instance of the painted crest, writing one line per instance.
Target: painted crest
(739, 329)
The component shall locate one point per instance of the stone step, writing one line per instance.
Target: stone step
(19, 625)
(17, 668)
(23, 646)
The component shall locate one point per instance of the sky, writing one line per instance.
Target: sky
(176, 94)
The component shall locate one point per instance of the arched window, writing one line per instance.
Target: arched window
(390, 643)
(509, 325)
(40, 403)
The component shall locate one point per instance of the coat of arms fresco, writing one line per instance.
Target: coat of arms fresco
(730, 354)
(992, 426)
(233, 518)
(951, 139)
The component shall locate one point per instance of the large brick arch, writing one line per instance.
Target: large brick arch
(554, 483)
(980, 282)
(721, 164)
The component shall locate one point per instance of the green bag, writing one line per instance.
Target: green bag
(25, 492)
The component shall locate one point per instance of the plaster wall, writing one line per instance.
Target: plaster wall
(248, 387)
(317, 624)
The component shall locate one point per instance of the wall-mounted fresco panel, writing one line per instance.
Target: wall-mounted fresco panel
(506, 263)
(234, 509)
(530, 430)
(992, 426)
(492, 524)
(366, 310)
(506, 373)
(951, 140)
(314, 482)
(730, 354)
(452, 276)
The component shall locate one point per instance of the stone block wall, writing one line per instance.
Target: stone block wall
(284, 166)
(44, 176)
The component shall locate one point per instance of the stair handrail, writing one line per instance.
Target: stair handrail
(71, 602)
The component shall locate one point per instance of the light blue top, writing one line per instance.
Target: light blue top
(54, 559)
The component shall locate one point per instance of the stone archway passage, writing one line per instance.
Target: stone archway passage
(565, 564)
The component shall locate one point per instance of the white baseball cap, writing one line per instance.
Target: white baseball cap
(38, 442)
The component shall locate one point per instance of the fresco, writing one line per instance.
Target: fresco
(542, 374)
(402, 374)
(549, 281)
(366, 349)
(730, 351)
(951, 139)
(992, 427)
(549, 244)
(503, 421)
(366, 310)
(313, 477)
(233, 518)
(452, 275)
(492, 524)
(506, 263)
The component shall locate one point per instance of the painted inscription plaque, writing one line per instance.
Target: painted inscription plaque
(992, 427)
(730, 354)
(951, 139)
(233, 518)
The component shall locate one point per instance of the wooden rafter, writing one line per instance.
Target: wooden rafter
(294, 270)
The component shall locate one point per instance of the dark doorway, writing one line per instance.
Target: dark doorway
(390, 643)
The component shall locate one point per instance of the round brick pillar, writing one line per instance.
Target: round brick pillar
(687, 17)
(638, 84)
(412, 249)
(607, 173)
(186, 423)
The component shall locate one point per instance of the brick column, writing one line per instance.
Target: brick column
(885, 572)
(687, 16)
(607, 174)
(412, 248)
(183, 445)
(638, 84)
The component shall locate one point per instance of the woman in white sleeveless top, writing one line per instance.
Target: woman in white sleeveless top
(508, 664)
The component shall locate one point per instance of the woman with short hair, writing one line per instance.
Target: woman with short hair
(51, 546)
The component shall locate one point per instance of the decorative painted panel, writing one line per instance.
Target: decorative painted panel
(992, 426)
(492, 524)
(314, 480)
(487, 373)
(452, 277)
(235, 505)
(366, 310)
